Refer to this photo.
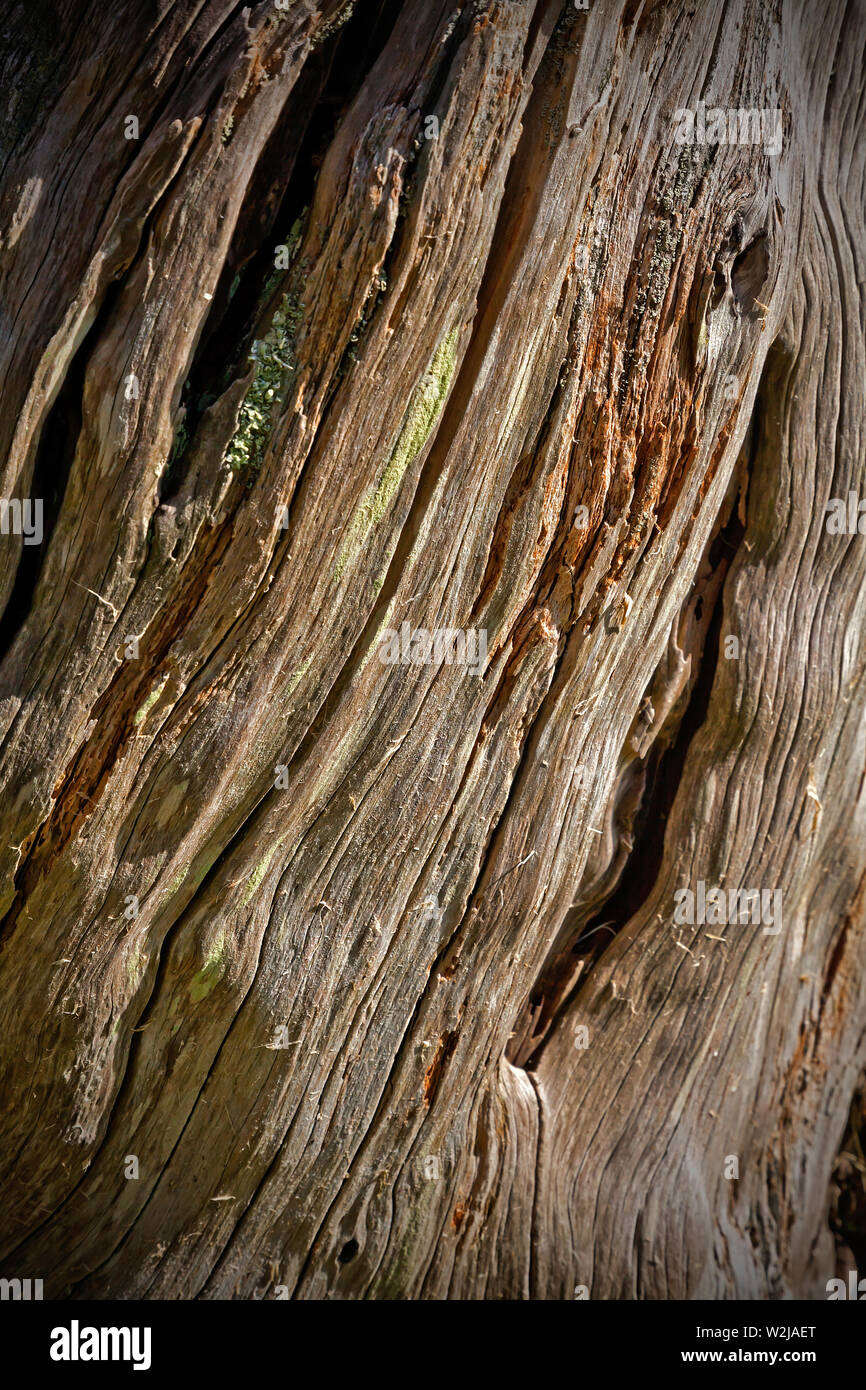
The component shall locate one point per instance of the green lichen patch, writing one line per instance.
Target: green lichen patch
(365, 318)
(664, 254)
(272, 356)
(297, 676)
(255, 879)
(332, 26)
(423, 411)
(143, 711)
(210, 974)
(269, 354)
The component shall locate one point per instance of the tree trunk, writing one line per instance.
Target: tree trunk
(339, 960)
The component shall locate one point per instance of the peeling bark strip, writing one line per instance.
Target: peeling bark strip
(323, 975)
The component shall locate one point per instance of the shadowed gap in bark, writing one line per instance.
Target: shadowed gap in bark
(646, 793)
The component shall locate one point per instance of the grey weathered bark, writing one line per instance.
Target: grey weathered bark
(317, 939)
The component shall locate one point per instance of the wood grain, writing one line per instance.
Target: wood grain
(311, 935)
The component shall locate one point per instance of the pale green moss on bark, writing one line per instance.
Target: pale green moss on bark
(143, 711)
(297, 676)
(272, 356)
(257, 875)
(210, 974)
(329, 29)
(423, 411)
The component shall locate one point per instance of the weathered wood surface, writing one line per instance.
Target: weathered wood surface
(552, 305)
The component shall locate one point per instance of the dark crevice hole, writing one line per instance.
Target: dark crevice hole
(280, 190)
(848, 1188)
(655, 786)
(55, 454)
(749, 273)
